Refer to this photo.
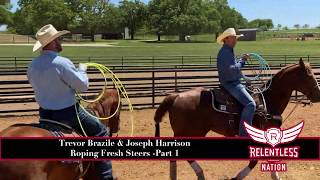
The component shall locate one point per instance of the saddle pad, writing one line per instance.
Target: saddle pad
(220, 100)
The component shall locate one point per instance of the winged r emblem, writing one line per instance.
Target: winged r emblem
(274, 136)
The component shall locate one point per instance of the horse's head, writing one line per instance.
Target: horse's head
(108, 106)
(306, 82)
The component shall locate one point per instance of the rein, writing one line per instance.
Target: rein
(297, 102)
(83, 172)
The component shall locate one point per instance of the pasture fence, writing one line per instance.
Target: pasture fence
(15, 65)
(147, 79)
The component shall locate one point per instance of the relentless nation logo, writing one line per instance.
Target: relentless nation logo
(274, 136)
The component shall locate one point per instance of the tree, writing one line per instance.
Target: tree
(112, 17)
(213, 17)
(189, 18)
(34, 14)
(263, 24)
(229, 17)
(23, 22)
(279, 26)
(90, 15)
(297, 26)
(5, 14)
(160, 14)
(181, 17)
(134, 14)
(4, 2)
(306, 26)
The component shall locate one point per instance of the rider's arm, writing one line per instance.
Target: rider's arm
(76, 79)
(228, 61)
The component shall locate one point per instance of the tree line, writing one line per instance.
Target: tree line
(160, 17)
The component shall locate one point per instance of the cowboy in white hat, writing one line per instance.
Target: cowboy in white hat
(54, 80)
(229, 69)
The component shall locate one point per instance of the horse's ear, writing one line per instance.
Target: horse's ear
(301, 63)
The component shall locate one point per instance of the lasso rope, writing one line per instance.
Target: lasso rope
(119, 87)
(264, 71)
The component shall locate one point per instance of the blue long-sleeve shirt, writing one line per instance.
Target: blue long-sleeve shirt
(228, 67)
(54, 80)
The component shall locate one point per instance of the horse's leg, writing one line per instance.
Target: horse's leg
(173, 170)
(33, 170)
(275, 175)
(197, 169)
(91, 173)
(242, 174)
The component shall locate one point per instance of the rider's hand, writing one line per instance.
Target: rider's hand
(82, 67)
(245, 57)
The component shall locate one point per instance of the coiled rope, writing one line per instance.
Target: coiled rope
(261, 72)
(120, 89)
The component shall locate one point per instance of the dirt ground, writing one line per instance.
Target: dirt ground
(154, 170)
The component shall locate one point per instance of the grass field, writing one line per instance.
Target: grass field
(140, 48)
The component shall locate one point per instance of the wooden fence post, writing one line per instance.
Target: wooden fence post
(175, 79)
(15, 64)
(153, 89)
(122, 61)
(152, 62)
(285, 60)
(182, 60)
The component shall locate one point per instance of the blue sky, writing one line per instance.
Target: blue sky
(284, 12)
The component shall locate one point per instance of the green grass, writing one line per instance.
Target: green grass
(140, 48)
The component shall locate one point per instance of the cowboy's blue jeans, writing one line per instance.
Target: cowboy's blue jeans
(239, 92)
(92, 127)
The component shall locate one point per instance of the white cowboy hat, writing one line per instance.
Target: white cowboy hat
(228, 32)
(47, 34)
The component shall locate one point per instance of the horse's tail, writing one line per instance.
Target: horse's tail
(161, 111)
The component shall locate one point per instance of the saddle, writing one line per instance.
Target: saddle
(222, 101)
(57, 129)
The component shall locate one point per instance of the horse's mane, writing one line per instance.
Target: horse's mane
(281, 72)
(286, 69)
(289, 67)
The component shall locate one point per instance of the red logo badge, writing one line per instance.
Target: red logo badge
(274, 136)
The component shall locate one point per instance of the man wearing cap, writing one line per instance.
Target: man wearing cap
(229, 70)
(55, 80)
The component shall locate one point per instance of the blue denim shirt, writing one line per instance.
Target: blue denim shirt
(228, 67)
(54, 80)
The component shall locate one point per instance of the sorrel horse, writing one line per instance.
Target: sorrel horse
(57, 170)
(189, 118)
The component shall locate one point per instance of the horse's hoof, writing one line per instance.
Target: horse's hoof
(114, 176)
(201, 177)
(224, 178)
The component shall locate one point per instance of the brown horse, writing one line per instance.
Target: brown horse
(57, 170)
(189, 118)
